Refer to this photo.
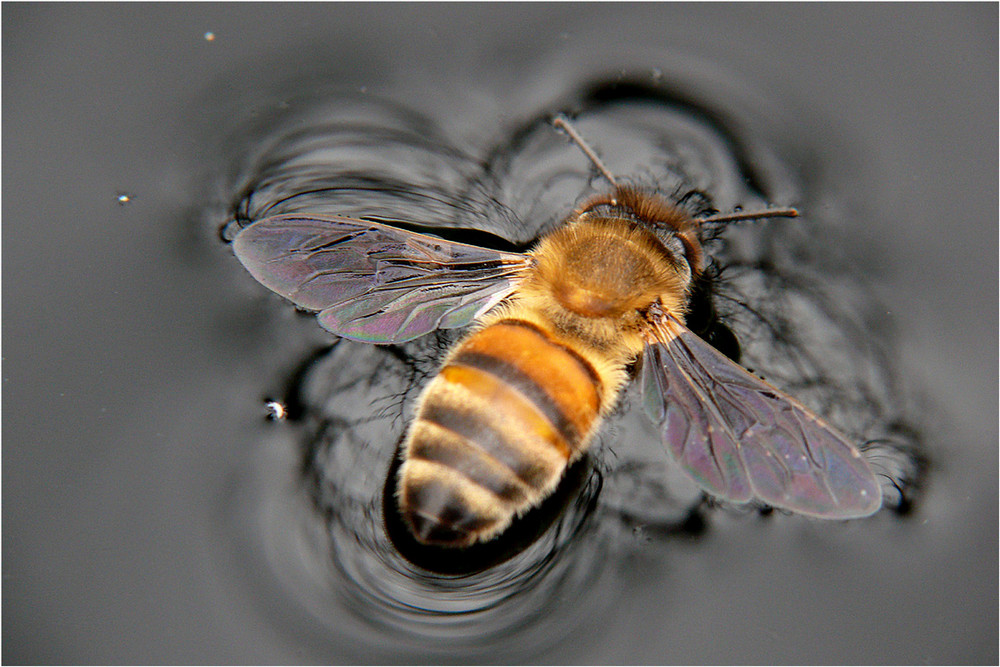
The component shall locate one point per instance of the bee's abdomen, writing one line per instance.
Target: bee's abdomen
(495, 430)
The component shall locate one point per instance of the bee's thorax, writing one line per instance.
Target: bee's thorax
(605, 268)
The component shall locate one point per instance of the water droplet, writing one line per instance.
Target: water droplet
(124, 198)
(657, 74)
(276, 411)
(209, 36)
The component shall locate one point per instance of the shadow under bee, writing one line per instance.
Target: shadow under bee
(522, 533)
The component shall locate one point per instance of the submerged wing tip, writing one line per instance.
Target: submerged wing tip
(860, 505)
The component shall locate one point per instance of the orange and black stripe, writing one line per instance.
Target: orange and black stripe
(510, 409)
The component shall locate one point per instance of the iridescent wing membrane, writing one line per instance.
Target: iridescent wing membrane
(741, 439)
(372, 282)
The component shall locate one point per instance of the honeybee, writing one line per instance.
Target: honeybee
(554, 333)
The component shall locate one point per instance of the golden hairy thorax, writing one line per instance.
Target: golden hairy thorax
(593, 278)
(606, 267)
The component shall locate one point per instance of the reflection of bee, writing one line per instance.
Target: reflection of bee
(519, 399)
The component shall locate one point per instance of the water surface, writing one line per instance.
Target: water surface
(152, 514)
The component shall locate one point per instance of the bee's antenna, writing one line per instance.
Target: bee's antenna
(752, 215)
(563, 123)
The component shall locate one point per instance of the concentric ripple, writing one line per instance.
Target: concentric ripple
(323, 516)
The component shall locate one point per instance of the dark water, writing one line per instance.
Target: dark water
(151, 514)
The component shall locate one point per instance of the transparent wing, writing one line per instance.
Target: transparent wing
(372, 282)
(739, 438)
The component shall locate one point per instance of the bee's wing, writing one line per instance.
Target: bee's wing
(740, 438)
(372, 282)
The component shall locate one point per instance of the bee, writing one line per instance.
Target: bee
(555, 331)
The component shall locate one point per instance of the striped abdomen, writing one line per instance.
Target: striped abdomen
(494, 432)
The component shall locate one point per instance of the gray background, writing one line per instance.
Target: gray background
(127, 391)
